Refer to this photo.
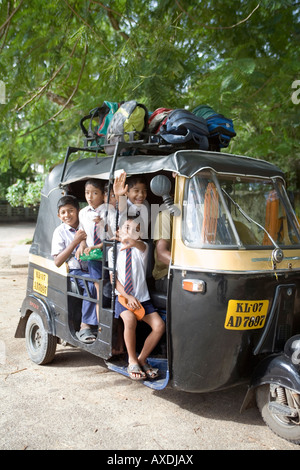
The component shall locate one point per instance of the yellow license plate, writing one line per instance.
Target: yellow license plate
(246, 314)
(40, 282)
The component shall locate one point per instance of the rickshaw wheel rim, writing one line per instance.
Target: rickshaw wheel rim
(285, 428)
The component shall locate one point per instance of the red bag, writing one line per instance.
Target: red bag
(157, 119)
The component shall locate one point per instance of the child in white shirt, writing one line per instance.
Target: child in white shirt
(129, 235)
(90, 220)
(65, 239)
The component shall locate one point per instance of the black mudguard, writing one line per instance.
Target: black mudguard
(31, 304)
(275, 369)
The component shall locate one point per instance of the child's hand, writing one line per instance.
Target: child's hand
(87, 250)
(80, 235)
(97, 219)
(127, 242)
(120, 188)
(133, 302)
(80, 248)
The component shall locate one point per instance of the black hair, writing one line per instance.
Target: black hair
(132, 180)
(106, 186)
(72, 200)
(127, 217)
(96, 183)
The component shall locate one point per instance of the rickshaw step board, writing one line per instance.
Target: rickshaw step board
(120, 366)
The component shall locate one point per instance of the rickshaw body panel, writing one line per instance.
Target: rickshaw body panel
(208, 348)
(61, 313)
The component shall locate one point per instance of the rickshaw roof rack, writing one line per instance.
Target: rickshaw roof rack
(145, 145)
(142, 141)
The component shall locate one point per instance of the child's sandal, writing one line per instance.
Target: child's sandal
(135, 372)
(151, 372)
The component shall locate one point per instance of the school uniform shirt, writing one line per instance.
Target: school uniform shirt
(142, 213)
(87, 222)
(62, 236)
(138, 276)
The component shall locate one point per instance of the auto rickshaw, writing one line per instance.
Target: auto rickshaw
(232, 306)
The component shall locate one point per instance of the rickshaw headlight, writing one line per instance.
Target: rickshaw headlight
(292, 349)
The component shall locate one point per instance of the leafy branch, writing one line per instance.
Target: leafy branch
(68, 100)
(217, 27)
(89, 26)
(40, 91)
(11, 15)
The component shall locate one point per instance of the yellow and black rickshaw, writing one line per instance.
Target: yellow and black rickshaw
(232, 306)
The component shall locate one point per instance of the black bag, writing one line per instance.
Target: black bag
(183, 127)
(128, 124)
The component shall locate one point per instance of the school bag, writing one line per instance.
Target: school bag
(221, 129)
(157, 119)
(184, 128)
(129, 123)
(95, 135)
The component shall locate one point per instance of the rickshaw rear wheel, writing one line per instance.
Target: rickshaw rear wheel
(280, 410)
(41, 345)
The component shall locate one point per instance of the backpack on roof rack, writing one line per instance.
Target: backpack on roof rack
(129, 123)
(157, 119)
(221, 129)
(95, 135)
(183, 127)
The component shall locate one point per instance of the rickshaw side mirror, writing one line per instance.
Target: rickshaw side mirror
(160, 185)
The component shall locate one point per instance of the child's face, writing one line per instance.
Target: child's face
(112, 198)
(68, 214)
(94, 196)
(137, 194)
(130, 229)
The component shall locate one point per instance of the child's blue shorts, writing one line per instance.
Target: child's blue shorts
(119, 308)
(95, 269)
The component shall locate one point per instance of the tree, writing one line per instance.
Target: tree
(59, 59)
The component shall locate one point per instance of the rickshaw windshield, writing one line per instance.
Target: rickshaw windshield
(235, 211)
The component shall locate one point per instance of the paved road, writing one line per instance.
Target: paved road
(77, 403)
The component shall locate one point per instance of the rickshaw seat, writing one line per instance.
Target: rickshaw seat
(159, 299)
(245, 234)
(74, 288)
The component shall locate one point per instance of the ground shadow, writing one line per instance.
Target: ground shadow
(223, 404)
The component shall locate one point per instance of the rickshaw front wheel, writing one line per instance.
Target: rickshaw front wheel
(280, 410)
(41, 345)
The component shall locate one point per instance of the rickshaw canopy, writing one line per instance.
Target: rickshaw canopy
(184, 162)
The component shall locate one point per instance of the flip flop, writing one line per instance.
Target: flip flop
(86, 336)
(150, 371)
(133, 369)
(139, 312)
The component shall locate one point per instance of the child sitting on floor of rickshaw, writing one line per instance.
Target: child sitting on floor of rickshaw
(133, 298)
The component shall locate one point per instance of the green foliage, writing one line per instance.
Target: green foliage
(15, 193)
(25, 194)
(60, 59)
